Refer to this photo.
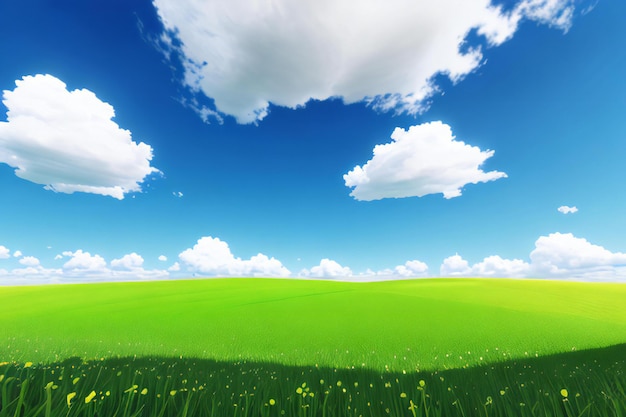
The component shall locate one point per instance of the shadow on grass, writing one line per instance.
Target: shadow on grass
(583, 383)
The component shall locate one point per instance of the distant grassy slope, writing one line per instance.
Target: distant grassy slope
(425, 324)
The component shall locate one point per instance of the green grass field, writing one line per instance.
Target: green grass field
(478, 346)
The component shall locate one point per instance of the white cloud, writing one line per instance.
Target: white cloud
(174, 268)
(129, 262)
(17, 253)
(454, 266)
(557, 256)
(567, 210)
(491, 266)
(327, 269)
(212, 256)
(29, 261)
(246, 54)
(426, 159)
(4, 252)
(162, 258)
(564, 255)
(177, 194)
(67, 141)
(413, 268)
(83, 261)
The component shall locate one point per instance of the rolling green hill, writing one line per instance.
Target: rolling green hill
(399, 325)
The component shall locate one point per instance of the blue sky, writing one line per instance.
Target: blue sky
(345, 140)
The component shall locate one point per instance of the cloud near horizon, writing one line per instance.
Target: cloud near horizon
(425, 159)
(212, 256)
(246, 55)
(66, 140)
(556, 256)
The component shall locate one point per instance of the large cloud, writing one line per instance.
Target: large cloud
(558, 255)
(212, 256)
(426, 159)
(246, 54)
(563, 255)
(67, 141)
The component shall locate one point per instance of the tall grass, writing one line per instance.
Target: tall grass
(587, 383)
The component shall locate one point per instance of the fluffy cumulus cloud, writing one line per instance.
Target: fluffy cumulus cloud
(245, 55)
(491, 266)
(410, 269)
(128, 262)
(29, 261)
(426, 159)
(212, 257)
(558, 255)
(162, 258)
(66, 140)
(84, 261)
(567, 209)
(327, 269)
(565, 255)
(4, 252)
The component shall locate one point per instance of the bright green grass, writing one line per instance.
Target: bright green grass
(401, 325)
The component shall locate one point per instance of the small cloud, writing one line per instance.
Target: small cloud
(29, 261)
(178, 194)
(128, 262)
(162, 258)
(4, 252)
(327, 269)
(426, 159)
(212, 256)
(17, 253)
(84, 261)
(413, 268)
(567, 210)
(454, 266)
(174, 268)
(67, 141)
(491, 266)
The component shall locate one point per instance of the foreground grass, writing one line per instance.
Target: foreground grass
(587, 383)
(409, 326)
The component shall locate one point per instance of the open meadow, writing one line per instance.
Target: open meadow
(255, 347)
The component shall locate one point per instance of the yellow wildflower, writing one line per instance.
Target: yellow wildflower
(144, 391)
(69, 398)
(28, 364)
(564, 393)
(272, 401)
(90, 397)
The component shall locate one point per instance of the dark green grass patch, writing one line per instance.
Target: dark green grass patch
(585, 383)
